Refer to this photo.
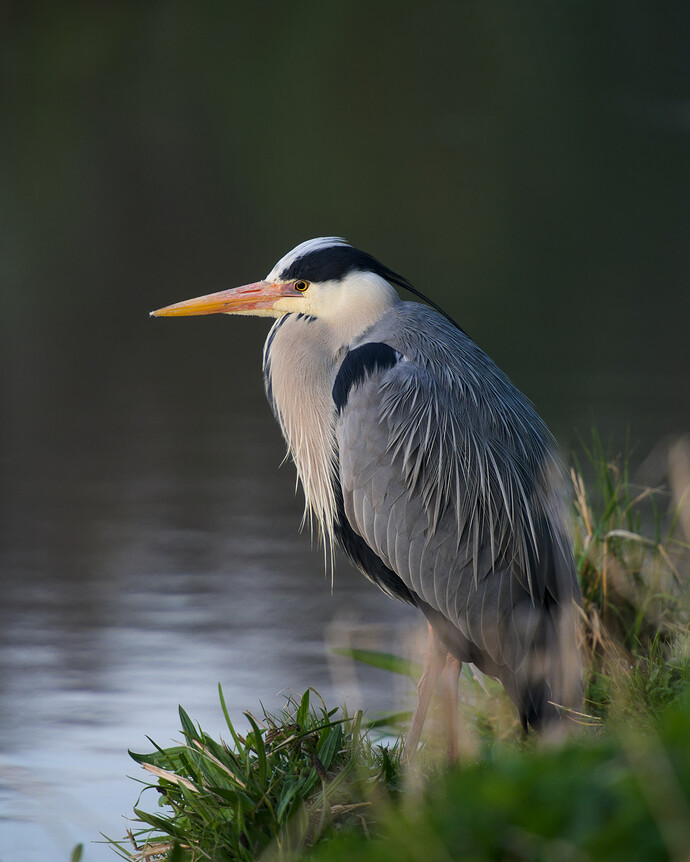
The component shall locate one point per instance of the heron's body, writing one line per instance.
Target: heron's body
(431, 470)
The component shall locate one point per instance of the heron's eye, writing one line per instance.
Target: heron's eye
(301, 286)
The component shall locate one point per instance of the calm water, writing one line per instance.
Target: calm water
(132, 584)
(531, 174)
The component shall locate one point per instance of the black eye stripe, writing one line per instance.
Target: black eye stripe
(335, 262)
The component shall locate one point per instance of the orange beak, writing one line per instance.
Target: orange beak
(240, 300)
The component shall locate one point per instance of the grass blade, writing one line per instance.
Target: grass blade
(303, 711)
(262, 759)
(383, 660)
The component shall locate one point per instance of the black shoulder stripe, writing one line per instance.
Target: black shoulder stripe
(374, 356)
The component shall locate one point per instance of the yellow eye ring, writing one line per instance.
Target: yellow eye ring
(301, 286)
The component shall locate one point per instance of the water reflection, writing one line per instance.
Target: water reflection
(134, 583)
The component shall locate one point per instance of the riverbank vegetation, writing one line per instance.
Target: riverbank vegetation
(313, 781)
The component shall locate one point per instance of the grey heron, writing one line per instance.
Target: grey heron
(420, 458)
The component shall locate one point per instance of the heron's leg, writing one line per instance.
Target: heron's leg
(433, 665)
(451, 672)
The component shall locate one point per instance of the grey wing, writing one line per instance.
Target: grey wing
(455, 502)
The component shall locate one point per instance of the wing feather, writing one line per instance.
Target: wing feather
(447, 474)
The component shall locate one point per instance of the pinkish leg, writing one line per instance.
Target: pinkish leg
(451, 672)
(433, 665)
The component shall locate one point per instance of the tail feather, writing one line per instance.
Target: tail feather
(549, 682)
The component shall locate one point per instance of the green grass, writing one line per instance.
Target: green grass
(311, 782)
(323, 792)
(633, 571)
(610, 797)
(292, 780)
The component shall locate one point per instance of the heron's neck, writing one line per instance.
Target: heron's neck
(301, 359)
(300, 363)
(354, 305)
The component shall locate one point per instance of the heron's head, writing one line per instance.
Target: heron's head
(324, 278)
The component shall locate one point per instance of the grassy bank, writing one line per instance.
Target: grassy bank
(314, 782)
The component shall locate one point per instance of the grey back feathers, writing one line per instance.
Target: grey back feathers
(419, 456)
